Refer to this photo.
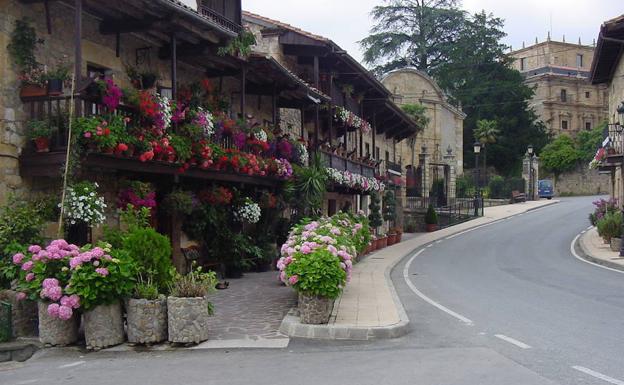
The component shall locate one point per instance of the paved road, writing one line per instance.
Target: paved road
(516, 279)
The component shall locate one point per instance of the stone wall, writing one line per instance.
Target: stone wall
(583, 182)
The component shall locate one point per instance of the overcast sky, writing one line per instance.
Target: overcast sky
(347, 21)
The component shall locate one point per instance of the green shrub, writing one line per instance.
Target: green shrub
(197, 283)
(146, 290)
(179, 202)
(431, 218)
(374, 217)
(151, 252)
(610, 226)
(318, 274)
(389, 211)
(464, 185)
(497, 187)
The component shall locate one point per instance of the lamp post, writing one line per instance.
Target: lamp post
(477, 150)
(530, 152)
(619, 127)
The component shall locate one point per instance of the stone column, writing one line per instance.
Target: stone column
(425, 172)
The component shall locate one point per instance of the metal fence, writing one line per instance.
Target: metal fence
(450, 211)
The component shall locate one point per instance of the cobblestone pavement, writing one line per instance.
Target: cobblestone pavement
(252, 308)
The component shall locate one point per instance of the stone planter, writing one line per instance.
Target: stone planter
(314, 310)
(187, 319)
(616, 243)
(55, 331)
(103, 326)
(23, 314)
(147, 320)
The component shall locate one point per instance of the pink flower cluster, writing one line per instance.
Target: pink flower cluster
(62, 305)
(92, 256)
(316, 235)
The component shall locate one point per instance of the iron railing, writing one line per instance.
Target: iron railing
(616, 141)
(396, 167)
(219, 19)
(344, 164)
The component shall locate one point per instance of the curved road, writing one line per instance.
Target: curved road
(525, 294)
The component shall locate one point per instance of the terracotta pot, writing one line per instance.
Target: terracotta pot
(42, 144)
(30, 90)
(392, 239)
(431, 227)
(384, 242)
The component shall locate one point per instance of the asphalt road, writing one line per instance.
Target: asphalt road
(518, 309)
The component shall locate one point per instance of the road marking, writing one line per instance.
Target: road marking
(474, 228)
(575, 254)
(72, 364)
(431, 245)
(512, 341)
(411, 285)
(589, 228)
(598, 375)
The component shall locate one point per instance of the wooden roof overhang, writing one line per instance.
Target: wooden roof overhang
(609, 51)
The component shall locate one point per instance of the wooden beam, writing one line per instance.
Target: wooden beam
(127, 25)
(174, 66)
(46, 5)
(243, 87)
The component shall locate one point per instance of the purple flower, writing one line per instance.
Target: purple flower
(102, 271)
(53, 309)
(30, 277)
(18, 258)
(20, 296)
(27, 266)
(75, 262)
(65, 312)
(34, 249)
(293, 279)
(50, 282)
(54, 293)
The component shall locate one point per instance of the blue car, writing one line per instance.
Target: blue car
(545, 189)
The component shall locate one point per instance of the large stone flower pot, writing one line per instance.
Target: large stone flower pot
(187, 319)
(147, 320)
(55, 331)
(615, 244)
(23, 314)
(314, 309)
(103, 326)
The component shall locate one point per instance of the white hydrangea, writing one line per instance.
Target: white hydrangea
(260, 134)
(82, 204)
(249, 212)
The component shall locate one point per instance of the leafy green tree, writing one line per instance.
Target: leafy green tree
(588, 142)
(560, 156)
(418, 33)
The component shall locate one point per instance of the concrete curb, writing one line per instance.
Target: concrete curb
(19, 350)
(291, 326)
(583, 252)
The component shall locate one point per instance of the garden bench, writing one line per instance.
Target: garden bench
(517, 196)
(194, 254)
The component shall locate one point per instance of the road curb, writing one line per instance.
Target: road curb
(292, 327)
(583, 252)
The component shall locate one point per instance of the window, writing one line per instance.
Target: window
(522, 64)
(588, 126)
(587, 95)
(367, 148)
(564, 124)
(579, 60)
(564, 96)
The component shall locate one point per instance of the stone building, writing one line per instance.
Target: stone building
(436, 152)
(608, 71)
(565, 100)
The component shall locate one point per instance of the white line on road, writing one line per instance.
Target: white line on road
(72, 364)
(574, 253)
(409, 283)
(512, 341)
(598, 375)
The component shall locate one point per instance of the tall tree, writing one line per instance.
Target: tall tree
(417, 33)
(465, 55)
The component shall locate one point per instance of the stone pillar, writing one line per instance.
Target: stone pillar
(425, 174)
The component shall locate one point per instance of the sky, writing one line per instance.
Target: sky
(347, 21)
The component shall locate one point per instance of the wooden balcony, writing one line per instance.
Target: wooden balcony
(344, 164)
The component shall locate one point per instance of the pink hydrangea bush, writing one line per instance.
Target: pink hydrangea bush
(337, 237)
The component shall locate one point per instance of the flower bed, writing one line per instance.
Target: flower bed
(317, 260)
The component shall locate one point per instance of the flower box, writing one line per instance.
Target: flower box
(147, 320)
(314, 310)
(32, 90)
(55, 331)
(392, 239)
(187, 319)
(103, 326)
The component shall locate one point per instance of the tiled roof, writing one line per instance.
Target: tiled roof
(280, 24)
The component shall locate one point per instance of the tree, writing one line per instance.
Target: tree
(418, 33)
(560, 156)
(467, 59)
(374, 216)
(486, 132)
(588, 142)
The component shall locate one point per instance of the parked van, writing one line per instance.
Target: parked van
(545, 189)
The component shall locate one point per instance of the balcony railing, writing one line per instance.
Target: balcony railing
(396, 167)
(219, 19)
(344, 164)
(616, 142)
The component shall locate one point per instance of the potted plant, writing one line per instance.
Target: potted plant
(44, 276)
(83, 209)
(382, 241)
(40, 132)
(179, 202)
(431, 219)
(21, 48)
(102, 277)
(141, 79)
(55, 79)
(374, 216)
(147, 314)
(188, 307)
(610, 227)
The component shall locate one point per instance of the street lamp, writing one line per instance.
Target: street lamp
(477, 150)
(619, 126)
(530, 152)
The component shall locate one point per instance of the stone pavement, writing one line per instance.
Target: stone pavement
(595, 250)
(369, 307)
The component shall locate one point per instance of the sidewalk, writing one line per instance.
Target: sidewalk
(369, 307)
(595, 250)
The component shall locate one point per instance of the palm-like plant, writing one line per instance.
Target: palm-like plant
(486, 133)
(309, 187)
